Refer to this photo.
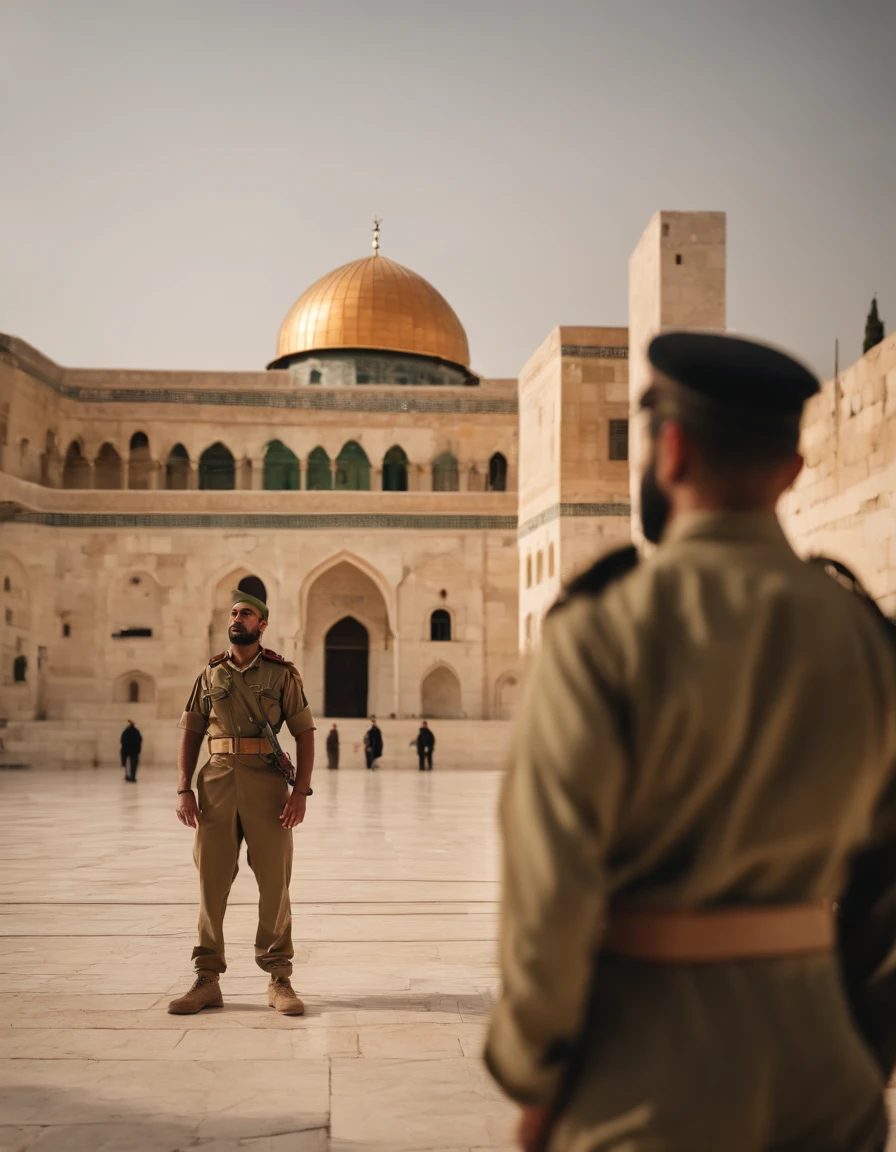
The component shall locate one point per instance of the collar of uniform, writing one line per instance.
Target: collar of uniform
(245, 667)
(746, 527)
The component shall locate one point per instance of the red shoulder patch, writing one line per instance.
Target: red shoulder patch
(219, 659)
(270, 654)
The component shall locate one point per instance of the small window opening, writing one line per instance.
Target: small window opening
(19, 669)
(539, 567)
(665, 229)
(677, 257)
(440, 625)
(66, 630)
(7, 584)
(9, 615)
(133, 692)
(314, 376)
(619, 439)
(129, 633)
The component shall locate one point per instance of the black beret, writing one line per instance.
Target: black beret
(733, 371)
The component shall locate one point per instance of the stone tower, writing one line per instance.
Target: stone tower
(573, 496)
(676, 280)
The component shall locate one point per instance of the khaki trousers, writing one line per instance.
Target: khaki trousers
(753, 1056)
(241, 797)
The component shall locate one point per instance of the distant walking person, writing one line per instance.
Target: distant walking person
(425, 743)
(373, 744)
(131, 743)
(333, 748)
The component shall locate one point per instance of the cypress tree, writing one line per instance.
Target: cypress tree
(874, 327)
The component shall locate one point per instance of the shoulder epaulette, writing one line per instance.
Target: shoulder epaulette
(270, 654)
(219, 659)
(599, 576)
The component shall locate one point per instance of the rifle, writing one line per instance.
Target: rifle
(284, 764)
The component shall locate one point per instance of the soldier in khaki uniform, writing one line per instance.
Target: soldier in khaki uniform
(243, 795)
(703, 766)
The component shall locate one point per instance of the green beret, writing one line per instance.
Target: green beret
(245, 598)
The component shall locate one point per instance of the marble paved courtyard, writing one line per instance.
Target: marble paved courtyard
(394, 898)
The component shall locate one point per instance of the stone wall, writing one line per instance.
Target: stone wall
(676, 280)
(573, 503)
(842, 504)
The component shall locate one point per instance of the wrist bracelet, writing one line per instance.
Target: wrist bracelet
(310, 792)
(184, 791)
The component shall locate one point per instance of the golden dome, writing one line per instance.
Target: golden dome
(377, 304)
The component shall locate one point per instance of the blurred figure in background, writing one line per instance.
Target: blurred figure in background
(702, 770)
(333, 748)
(373, 744)
(131, 743)
(425, 742)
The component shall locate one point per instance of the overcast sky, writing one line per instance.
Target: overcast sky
(174, 173)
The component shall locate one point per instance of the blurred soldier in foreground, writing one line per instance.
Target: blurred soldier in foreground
(703, 766)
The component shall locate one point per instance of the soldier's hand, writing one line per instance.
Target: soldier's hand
(187, 809)
(532, 1133)
(294, 810)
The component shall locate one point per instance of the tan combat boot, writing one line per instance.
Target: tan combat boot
(205, 993)
(282, 997)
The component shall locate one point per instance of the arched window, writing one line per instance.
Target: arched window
(314, 376)
(444, 473)
(76, 470)
(319, 478)
(216, 468)
(281, 468)
(440, 625)
(353, 468)
(177, 470)
(497, 473)
(539, 566)
(19, 669)
(551, 559)
(107, 468)
(529, 570)
(140, 463)
(133, 692)
(395, 470)
(7, 584)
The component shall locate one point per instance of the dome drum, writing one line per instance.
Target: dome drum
(350, 367)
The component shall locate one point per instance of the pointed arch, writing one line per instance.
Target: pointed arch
(177, 468)
(76, 469)
(440, 693)
(445, 474)
(353, 468)
(395, 470)
(319, 477)
(107, 467)
(364, 566)
(140, 463)
(497, 473)
(281, 468)
(217, 468)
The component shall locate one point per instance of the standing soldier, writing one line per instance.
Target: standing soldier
(333, 748)
(703, 767)
(242, 794)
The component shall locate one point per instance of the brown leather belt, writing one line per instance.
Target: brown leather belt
(721, 934)
(239, 745)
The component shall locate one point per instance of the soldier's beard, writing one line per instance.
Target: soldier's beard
(655, 506)
(242, 638)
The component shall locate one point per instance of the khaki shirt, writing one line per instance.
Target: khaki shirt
(228, 701)
(715, 728)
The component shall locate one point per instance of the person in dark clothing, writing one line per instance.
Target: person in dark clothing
(373, 743)
(425, 743)
(333, 747)
(131, 743)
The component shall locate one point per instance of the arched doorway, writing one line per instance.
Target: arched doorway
(346, 656)
(440, 694)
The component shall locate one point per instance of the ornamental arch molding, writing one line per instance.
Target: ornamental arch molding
(372, 573)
